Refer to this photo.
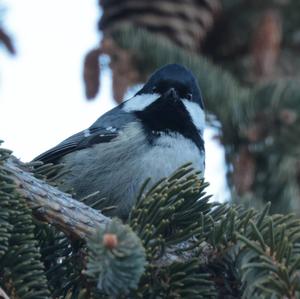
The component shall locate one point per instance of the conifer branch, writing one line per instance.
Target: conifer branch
(69, 215)
(52, 205)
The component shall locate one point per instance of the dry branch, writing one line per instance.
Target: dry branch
(52, 205)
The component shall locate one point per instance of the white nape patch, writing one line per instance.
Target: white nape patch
(86, 133)
(140, 102)
(196, 113)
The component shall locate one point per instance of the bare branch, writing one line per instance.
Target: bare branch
(52, 205)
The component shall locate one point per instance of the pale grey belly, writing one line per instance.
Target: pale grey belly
(118, 169)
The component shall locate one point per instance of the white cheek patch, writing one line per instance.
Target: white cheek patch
(140, 102)
(196, 113)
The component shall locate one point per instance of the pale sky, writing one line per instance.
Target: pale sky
(41, 91)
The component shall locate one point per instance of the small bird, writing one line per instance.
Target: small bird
(148, 136)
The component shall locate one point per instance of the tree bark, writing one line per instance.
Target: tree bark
(52, 205)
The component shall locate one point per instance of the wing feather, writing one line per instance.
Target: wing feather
(106, 128)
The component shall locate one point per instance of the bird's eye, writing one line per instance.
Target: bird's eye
(154, 89)
(189, 96)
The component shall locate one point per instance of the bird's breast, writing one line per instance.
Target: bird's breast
(118, 169)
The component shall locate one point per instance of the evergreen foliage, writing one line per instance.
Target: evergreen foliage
(194, 249)
(22, 271)
(116, 259)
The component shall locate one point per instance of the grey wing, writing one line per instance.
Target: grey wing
(106, 128)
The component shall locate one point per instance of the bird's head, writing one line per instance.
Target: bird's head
(170, 101)
(174, 80)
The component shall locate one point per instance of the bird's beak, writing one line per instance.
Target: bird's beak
(171, 93)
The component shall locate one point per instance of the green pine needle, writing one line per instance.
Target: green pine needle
(116, 259)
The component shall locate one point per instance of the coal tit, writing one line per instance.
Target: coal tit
(148, 136)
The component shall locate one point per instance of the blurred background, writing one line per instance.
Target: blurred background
(64, 63)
